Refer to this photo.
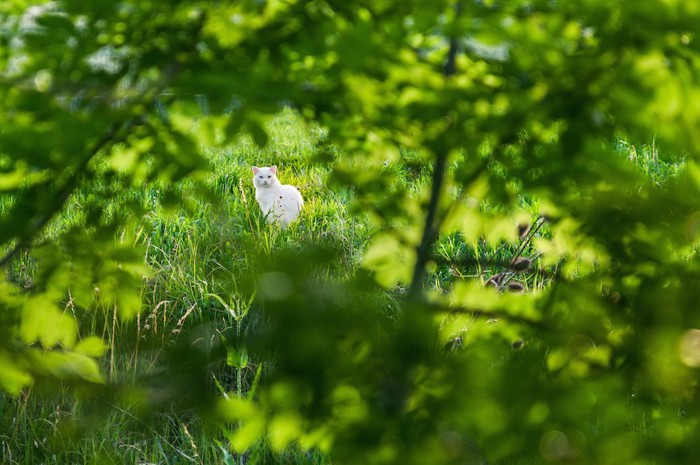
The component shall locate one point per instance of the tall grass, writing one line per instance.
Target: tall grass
(198, 247)
(646, 159)
(205, 258)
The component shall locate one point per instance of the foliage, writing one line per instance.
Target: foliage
(451, 122)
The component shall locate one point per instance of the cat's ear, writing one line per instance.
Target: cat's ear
(273, 168)
(255, 170)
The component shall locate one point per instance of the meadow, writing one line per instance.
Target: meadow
(203, 250)
(205, 243)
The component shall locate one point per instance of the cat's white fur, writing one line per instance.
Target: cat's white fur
(280, 203)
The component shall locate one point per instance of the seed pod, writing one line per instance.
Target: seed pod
(516, 286)
(493, 281)
(517, 344)
(524, 230)
(521, 265)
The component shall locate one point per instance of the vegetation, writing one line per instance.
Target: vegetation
(199, 260)
(490, 266)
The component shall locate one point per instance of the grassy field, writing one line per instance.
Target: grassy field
(205, 253)
(200, 252)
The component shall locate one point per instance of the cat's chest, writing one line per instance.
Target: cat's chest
(266, 197)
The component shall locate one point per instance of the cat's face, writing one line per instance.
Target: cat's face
(265, 176)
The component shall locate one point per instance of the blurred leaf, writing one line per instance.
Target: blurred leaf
(68, 365)
(12, 377)
(56, 21)
(391, 260)
(283, 429)
(91, 346)
(236, 409)
(248, 434)
(43, 322)
(258, 132)
(128, 303)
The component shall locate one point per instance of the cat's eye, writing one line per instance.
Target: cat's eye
(269, 177)
(260, 177)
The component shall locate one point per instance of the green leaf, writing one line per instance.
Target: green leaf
(12, 180)
(234, 409)
(237, 358)
(558, 359)
(91, 346)
(13, 378)
(124, 160)
(56, 21)
(257, 130)
(43, 322)
(251, 432)
(283, 429)
(234, 124)
(69, 365)
(129, 302)
(391, 261)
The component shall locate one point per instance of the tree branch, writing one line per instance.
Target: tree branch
(430, 230)
(148, 97)
(493, 314)
(61, 197)
(432, 227)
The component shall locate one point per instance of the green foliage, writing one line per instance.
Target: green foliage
(482, 275)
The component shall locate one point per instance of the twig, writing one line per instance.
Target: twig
(492, 314)
(541, 220)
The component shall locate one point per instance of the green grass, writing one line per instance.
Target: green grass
(198, 255)
(647, 161)
(205, 258)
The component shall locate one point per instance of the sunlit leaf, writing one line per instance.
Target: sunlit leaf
(91, 346)
(69, 365)
(237, 358)
(43, 322)
(248, 434)
(391, 260)
(283, 429)
(12, 377)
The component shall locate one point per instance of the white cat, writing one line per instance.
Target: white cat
(280, 203)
